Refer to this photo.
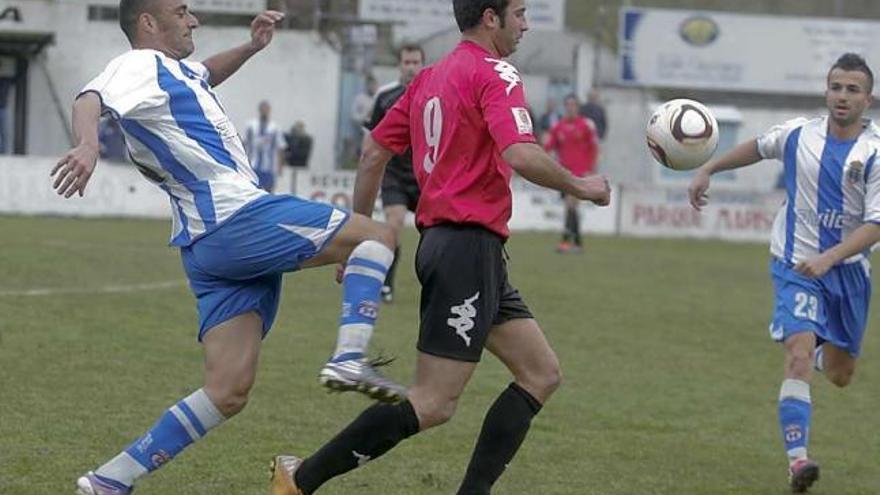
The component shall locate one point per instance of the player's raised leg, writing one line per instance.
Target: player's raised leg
(795, 409)
(366, 247)
(231, 353)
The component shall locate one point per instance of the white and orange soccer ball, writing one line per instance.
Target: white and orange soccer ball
(682, 134)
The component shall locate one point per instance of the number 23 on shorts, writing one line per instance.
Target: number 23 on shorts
(806, 306)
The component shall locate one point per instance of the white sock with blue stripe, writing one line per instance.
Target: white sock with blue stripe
(361, 285)
(182, 424)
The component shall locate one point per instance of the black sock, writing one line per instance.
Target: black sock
(566, 230)
(377, 429)
(576, 226)
(504, 430)
(570, 225)
(389, 278)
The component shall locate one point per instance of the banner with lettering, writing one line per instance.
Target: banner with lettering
(730, 215)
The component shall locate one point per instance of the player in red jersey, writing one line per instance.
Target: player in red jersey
(576, 143)
(467, 123)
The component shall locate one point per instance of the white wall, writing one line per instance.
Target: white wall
(114, 190)
(297, 73)
(642, 211)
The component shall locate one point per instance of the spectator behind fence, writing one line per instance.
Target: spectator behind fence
(549, 118)
(264, 144)
(363, 102)
(299, 149)
(595, 111)
(361, 110)
(299, 145)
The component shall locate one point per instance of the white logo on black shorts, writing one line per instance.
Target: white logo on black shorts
(465, 320)
(361, 458)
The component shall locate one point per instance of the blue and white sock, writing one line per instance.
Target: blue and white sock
(794, 417)
(361, 285)
(182, 424)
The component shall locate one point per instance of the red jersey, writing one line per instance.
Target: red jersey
(459, 115)
(576, 143)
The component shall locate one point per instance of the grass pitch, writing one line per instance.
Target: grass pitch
(670, 378)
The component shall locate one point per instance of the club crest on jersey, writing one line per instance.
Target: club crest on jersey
(507, 72)
(523, 120)
(854, 173)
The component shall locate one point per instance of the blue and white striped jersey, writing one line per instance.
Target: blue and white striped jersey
(262, 141)
(832, 186)
(180, 138)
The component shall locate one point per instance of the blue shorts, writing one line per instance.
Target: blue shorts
(834, 306)
(237, 268)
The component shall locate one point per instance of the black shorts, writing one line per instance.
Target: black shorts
(465, 290)
(399, 191)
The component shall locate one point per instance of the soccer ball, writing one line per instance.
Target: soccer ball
(682, 134)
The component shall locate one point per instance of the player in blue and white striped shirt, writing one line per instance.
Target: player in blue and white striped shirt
(264, 143)
(821, 238)
(235, 239)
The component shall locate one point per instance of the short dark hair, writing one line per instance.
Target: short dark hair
(129, 11)
(469, 12)
(854, 62)
(410, 47)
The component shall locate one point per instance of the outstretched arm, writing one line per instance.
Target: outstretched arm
(224, 64)
(742, 155)
(535, 165)
(75, 168)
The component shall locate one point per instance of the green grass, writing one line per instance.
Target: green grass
(671, 380)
